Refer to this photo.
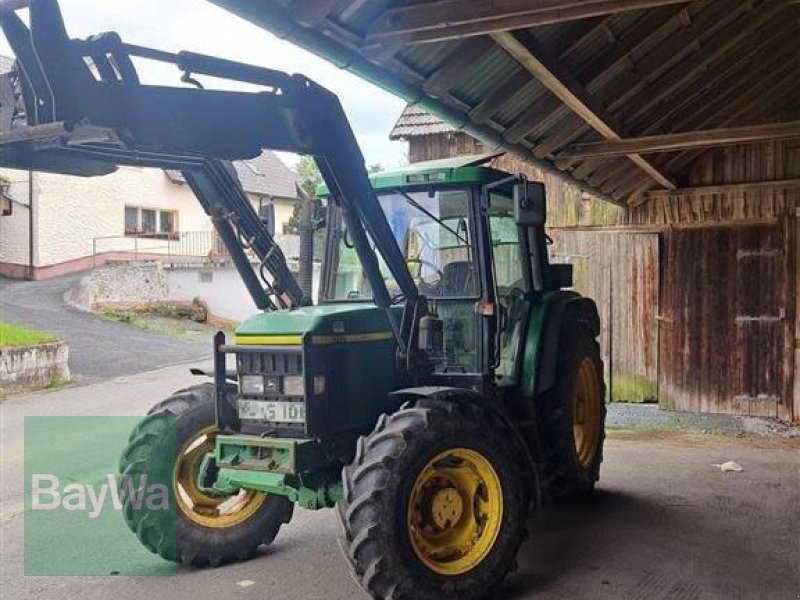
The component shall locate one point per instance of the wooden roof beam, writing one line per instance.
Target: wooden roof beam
(448, 19)
(686, 140)
(728, 188)
(564, 86)
(716, 110)
(640, 91)
(546, 112)
(726, 86)
(776, 79)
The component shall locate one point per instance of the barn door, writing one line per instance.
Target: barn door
(723, 339)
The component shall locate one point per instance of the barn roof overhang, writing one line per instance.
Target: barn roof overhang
(618, 97)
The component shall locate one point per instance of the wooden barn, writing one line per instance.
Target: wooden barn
(668, 133)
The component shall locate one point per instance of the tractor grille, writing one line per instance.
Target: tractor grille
(271, 392)
(270, 363)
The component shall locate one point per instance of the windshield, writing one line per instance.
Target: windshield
(435, 235)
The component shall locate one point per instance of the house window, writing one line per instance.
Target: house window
(150, 222)
(266, 212)
(6, 206)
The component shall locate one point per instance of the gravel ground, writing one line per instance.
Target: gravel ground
(650, 416)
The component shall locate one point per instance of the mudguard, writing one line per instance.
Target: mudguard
(540, 352)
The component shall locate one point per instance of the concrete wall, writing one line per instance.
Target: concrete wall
(14, 247)
(33, 367)
(119, 284)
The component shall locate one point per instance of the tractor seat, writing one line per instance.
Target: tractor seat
(458, 279)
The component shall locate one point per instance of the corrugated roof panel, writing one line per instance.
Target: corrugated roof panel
(426, 58)
(519, 102)
(495, 68)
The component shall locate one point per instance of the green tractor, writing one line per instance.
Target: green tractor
(433, 468)
(442, 384)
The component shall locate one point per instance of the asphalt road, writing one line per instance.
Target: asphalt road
(665, 524)
(98, 348)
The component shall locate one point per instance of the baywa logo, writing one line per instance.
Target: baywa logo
(80, 507)
(47, 494)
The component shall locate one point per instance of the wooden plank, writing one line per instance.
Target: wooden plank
(729, 188)
(448, 19)
(563, 85)
(685, 140)
(796, 293)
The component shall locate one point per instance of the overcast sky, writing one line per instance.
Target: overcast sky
(200, 26)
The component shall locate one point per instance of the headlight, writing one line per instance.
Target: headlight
(251, 385)
(293, 386)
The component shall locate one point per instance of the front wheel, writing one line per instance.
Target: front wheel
(168, 446)
(435, 504)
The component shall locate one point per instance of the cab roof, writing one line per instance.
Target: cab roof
(460, 169)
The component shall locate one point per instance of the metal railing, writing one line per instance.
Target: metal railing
(185, 247)
(168, 247)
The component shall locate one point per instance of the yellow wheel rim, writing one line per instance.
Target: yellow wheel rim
(200, 507)
(587, 407)
(455, 511)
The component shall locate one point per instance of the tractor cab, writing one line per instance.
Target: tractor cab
(478, 258)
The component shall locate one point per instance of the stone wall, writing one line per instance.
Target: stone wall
(33, 367)
(121, 284)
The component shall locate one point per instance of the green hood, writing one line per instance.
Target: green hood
(288, 326)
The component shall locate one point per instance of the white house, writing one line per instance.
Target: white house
(54, 224)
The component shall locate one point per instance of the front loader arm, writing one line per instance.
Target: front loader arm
(84, 112)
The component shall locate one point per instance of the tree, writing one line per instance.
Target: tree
(308, 175)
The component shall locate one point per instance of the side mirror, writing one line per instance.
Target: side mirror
(530, 204)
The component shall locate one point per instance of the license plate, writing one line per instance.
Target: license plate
(275, 412)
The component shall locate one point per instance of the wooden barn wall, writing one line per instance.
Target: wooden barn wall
(732, 164)
(619, 270)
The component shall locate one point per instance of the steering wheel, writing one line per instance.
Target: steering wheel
(426, 263)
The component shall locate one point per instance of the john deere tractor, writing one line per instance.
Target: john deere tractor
(444, 381)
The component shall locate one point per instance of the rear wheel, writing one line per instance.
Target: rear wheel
(209, 528)
(435, 504)
(571, 416)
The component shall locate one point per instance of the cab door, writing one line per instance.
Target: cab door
(510, 274)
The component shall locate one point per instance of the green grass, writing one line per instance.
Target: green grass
(12, 335)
